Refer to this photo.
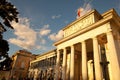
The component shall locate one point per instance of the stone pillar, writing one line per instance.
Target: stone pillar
(98, 74)
(113, 59)
(64, 63)
(57, 72)
(72, 63)
(84, 61)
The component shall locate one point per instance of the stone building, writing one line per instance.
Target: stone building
(20, 65)
(43, 62)
(90, 48)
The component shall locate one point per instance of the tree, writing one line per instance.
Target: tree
(8, 13)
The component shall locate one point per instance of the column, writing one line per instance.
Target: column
(98, 75)
(72, 63)
(84, 61)
(57, 72)
(114, 64)
(64, 63)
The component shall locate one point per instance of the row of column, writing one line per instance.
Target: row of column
(46, 62)
(96, 53)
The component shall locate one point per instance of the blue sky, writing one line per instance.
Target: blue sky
(41, 21)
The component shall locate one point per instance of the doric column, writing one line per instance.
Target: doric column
(72, 63)
(84, 61)
(57, 66)
(114, 64)
(64, 63)
(98, 75)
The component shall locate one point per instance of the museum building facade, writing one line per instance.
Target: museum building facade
(90, 48)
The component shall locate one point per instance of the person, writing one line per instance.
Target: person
(13, 77)
(3, 78)
(51, 75)
(60, 77)
(45, 75)
(41, 75)
(48, 75)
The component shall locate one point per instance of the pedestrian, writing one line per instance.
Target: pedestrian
(41, 75)
(3, 78)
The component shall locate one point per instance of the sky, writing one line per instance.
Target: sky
(41, 21)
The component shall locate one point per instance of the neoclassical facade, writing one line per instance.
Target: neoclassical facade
(90, 48)
(43, 62)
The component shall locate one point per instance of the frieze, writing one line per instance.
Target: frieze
(79, 25)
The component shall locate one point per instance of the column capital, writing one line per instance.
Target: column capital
(109, 33)
(83, 41)
(72, 45)
(58, 50)
(95, 37)
(64, 48)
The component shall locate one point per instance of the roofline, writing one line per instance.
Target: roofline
(106, 17)
(46, 53)
(82, 17)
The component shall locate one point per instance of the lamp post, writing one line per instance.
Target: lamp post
(104, 63)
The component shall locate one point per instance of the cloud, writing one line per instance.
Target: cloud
(56, 37)
(45, 31)
(56, 16)
(83, 10)
(26, 36)
(41, 40)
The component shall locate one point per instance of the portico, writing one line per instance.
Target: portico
(81, 47)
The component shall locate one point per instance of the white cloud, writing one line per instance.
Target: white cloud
(45, 31)
(26, 36)
(56, 16)
(85, 9)
(42, 40)
(56, 37)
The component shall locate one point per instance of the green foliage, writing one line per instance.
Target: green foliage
(8, 13)
(4, 47)
(6, 64)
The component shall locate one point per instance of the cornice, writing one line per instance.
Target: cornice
(54, 50)
(82, 17)
(108, 16)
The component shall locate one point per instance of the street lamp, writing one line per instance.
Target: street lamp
(104, 63)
